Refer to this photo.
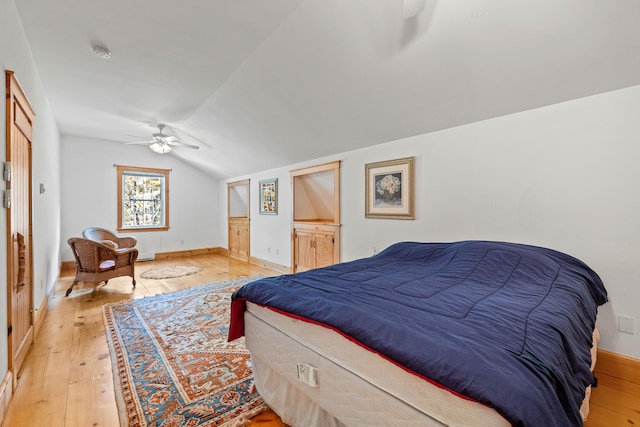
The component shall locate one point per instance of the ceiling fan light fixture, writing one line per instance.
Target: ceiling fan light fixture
(160, 148)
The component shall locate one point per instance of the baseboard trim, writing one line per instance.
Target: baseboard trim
(186, 253)
(67, 265)
(6, 392)
(271, 265)
(71, 265)
(40, 313)
(618, 366)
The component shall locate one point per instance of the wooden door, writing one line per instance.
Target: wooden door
(234, 235)
(305, 254)
(242, 243)
(239, 238)
(17, 176)
(323, 245)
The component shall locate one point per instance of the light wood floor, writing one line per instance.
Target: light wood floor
(67, 379)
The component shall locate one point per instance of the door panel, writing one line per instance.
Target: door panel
(20, 118)
(243, 241)
(324, 249)
(305, 254)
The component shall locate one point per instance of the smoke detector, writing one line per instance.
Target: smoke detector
(101, 51)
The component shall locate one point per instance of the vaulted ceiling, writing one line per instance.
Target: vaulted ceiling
(262, 84)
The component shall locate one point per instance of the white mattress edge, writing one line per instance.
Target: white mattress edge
(425, 397)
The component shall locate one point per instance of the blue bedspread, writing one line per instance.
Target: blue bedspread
(505, 324)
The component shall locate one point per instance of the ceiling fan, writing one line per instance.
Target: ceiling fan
(162, 143)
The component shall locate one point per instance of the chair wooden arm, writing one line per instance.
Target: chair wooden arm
(122, 256)
(98, 234)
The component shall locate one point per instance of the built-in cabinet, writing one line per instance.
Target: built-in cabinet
(315, 245)
(316, 216)
(239, 237)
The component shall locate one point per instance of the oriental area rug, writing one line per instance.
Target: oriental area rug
(172, 364)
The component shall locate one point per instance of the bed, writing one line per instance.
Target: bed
(426, 334)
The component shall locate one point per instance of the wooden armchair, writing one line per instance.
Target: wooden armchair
(103, 235)
(97, 262)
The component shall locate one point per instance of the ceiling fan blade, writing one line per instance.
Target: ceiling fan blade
(182, 144)
(140, 142)
(163, 139)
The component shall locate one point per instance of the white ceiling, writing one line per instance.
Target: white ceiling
(263, 84)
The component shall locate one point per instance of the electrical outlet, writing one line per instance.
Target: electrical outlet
(268, 249)
(626, 324)
(277, 251)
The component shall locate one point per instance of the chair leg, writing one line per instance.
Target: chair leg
(70, 288)
(133, 280)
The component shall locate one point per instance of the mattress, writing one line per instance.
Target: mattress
(353, 386)
(507, 326)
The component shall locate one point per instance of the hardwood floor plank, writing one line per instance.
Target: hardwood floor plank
(92, 400)
(615, 402)
(41, 396)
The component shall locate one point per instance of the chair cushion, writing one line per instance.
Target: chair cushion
(107, 265)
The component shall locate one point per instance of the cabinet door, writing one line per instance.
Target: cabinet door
(234, 239)
(324, 247)
(239, 239)
(243, 242)
(305, 253)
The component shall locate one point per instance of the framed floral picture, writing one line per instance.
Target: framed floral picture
(390, 189)
(269, 197)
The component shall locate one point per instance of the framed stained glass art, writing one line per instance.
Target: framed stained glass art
(269, 196)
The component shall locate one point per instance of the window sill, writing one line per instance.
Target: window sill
(141, 229)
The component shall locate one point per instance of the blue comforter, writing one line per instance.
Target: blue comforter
(505, 324)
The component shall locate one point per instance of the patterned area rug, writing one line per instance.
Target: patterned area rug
(172, 364)
(170, 271)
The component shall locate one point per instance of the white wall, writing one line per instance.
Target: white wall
(89, 198)
(564, 176)
(270, 234)
(15, 55)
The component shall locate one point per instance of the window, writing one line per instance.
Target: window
(143, 199)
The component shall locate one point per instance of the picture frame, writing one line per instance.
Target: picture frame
(390, 189)
(268, 190)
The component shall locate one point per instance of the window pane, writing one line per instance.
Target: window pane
(143, 204)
